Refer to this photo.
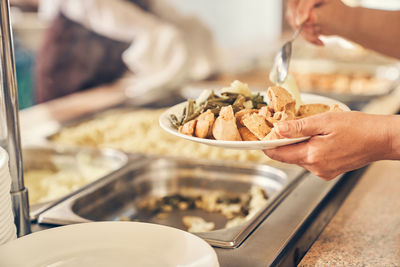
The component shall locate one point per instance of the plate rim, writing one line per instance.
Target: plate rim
(53, 234)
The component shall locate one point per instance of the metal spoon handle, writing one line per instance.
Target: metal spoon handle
(296, 33)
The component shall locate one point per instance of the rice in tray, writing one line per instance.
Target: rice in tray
(48, 183)
(139, 131)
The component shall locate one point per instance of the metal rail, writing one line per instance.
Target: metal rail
(10, 122)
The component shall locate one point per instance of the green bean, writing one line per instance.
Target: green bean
(238, 104)
(230, 94)
(193, 116)
(258, 100)
(174, 121)
(212, 95)
(190, 107)
(223, 104)
(183, 116)
(215, 110)
(214, 103)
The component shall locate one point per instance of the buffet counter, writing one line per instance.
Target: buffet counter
(363, 231)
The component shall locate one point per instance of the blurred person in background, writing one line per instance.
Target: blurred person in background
(93, 42)
(24, 56)
(342, 141)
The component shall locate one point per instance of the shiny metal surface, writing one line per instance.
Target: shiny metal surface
(280, 68)
(54, 157)
(9, 114)
(21, 210)
(285, 236)
(119, 195)
(387, 71)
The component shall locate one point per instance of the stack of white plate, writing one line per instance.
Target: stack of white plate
(7, 226)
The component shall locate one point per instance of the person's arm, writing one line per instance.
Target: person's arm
(167, 48)
(158, 54)
(118, 19)
(340, 142)
(374, 29)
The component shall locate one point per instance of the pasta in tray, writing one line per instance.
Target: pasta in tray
(139, 131)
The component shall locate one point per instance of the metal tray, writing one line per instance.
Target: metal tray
(119, 194)
(389, 72)
(59, 158)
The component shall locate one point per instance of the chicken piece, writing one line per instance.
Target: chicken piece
(291, 107)
(257, 125)
(272, 135)
(311, 109)
(247, 135)
(284, 116)
(225, 126)
(265, 112)
(188, 128)
(204, 124)
(270, 121)
(279, 98)
(241, 114)
(336, 108)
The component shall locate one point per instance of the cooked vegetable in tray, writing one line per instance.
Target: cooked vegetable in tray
(236, 208)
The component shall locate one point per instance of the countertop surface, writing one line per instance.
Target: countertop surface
(366, 229)
(364, 232)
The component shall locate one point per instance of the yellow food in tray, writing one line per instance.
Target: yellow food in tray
(138, 131)
(48, 182)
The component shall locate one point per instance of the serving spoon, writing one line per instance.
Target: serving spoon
(280, 68)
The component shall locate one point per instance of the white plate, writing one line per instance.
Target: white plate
(5, 180)
(244, 145)
(8, 235)
(109, 244)
(3, 158)
(5, 196)
(12, 235)
(5, 207)
(6, 225)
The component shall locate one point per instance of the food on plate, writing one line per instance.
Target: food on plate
(280, 99)
(247, 135)
(236, 208)
(205, 124)
(272, 135)
(188, 128)
(312, 109)
(257, 125)
(237, 115)
(225, 127)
